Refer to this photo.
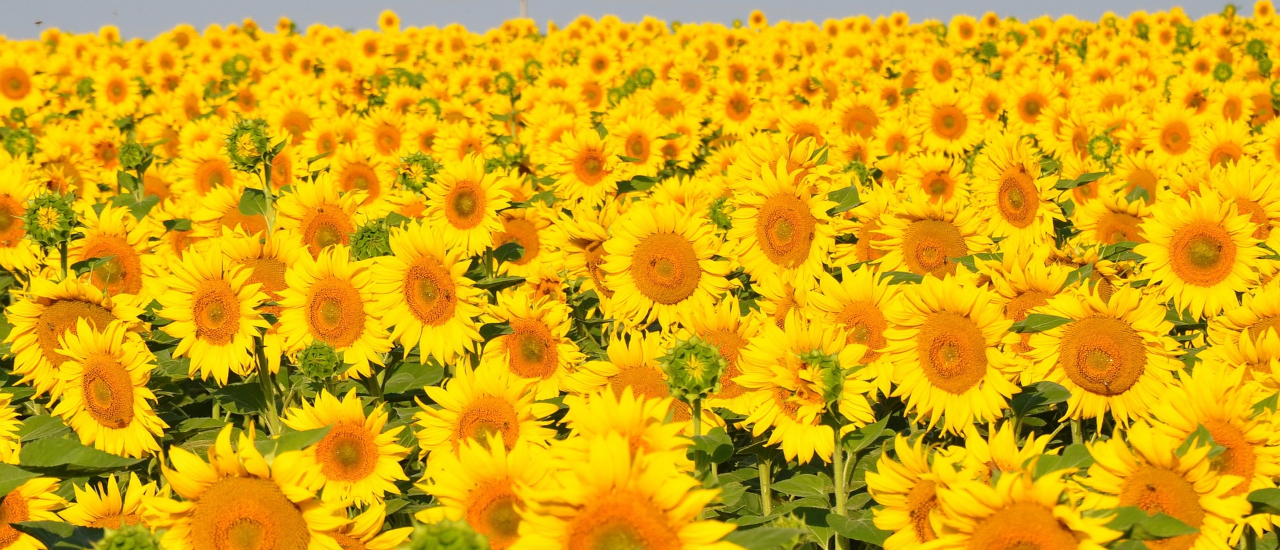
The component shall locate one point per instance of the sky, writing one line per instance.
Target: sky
(24, 19)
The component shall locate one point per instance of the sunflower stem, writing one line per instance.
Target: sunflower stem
(375, 388)
(766, 473)
(1250, 538)
(842, 497)
(268, 388)
(698, 462)
(62, 247)
(1077, 432)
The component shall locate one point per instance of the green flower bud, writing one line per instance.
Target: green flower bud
(20, 142)
(371, 240)
(1101, 147)
(1222, 72)
(504, 83)
(446, 535)
(827, 373)
(131, 156)
(417, 171)
(49, 219)
(130, 537)
(693, 369)
(248, 145)
(790, 521)
(719, 212)
(645, 77)
(319, 361)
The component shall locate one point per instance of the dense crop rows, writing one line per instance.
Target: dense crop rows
(980, 284)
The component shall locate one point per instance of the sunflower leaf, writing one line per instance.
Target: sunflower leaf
(1084, 179)
(1038, 395)
(804, 485)
(12, 477)
(1160, 526)
(57, 535)
(41, 426)
(62, 457)
(846, 199)
(495, 284)
(89, 265)
(179, 224)
(1039, 322)
(858, 526)
(291, 441)
(1265, 501)
(716, 445)
(764, 538)
(253, 202)
(866, 436)
(509, 252)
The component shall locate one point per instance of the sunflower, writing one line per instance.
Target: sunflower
(17, 252)
(1018, 512)
(787, 373)
(267, 259)
(857, 304)
(616, 498)
(105, 395)
(425, 299)
(1111, 218)
(240, 500)
(1152, 471)
(10, 440)
(34, 500)
(581, 236)
(20, 86)
(1024, 281)
(1009, 183)
(944, 341)
(1258, 315)
(949, 121)
(530, 227)
(906, 487)
(780, 229)
(106, 508)
(1253, 187)
(483, 485)
(320, 214)
(214, 312)
(941, 178)
(925, 238)
(1199, 253)
(658, 263)
(539, 348)
(1172, 129)
(203, 167)
(475, 404)
(116, 234)
(998, 453)
(357, 459)
(463, 204)
(330, 299)
(365, 532)
(47, 311)
(219, 209)
(643, 422)
(639, 135)
(587, 167)
(1213, 399)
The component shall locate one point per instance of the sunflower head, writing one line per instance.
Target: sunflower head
(371, 240)
(450, 535)
(693, 369)
(319, 361)
(132, 537)
(248, 144)
(50, 218)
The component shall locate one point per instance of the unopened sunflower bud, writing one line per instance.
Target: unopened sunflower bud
(693, 369)
(446, 535)
(131, 537)
(827, 374)
(248, 144)
(131, 156)
(371, 240)
(49, 219)
(319, 361)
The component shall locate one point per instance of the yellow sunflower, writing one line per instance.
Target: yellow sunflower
(425, 299)
(587, 167)
(1147, 469)
(539, 348)
(17, 252)
(949, 121)
(477, 403)
(47, 311)
(320, 214)
(10, 440)
(857, 304)
(105, 398)
(213, 309)
(1009, 184)
(357, 459)
(780, 228)
(1199, 253)
(105, 507)
(944, 340)
(617, 498)
(729, 329)
(788, 387)
(238, 499)
(482, 485)
(659, 264)
(365, 532)
(925, 238)
(906, 488)
(34, 500)
(463, 205)
(643, 422)
(116, 234)
(267, 259)
(330, 299)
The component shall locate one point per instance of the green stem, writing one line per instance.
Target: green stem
(842, 496)
(766, 489)
(268, 389)
(1250, 538)
(698, 461)
(375, 388)
(62, 247)
(1077, 432)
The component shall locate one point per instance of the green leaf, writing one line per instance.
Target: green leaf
(179, 224)
(1201, 438)
(509, 252)
(291, 441)
(1081, 274)
(1074, 456)
(764, 538)
(495, 284)
(867, 436)
(1038, 395)
(1039, 322)
(899, 277)
(1084, 179)
(66, 455)
(242, 398)
(1160, 526)
(253, 202)
(57, 535)
(846, 199)
(1270, 403)
(858, 526)
(625, 158)
(805, 485)
(126, 180)
(490, 331)
(88, 265)
(412, 377)
(716, 445)
(41, 426)
(12, 477)
(1265, 501)
(636, 183)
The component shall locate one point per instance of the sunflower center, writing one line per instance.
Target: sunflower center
(590, 167)
(952, 352)
(16, 83)
(949, 122)
(336, 312)
(268, 272)
(665, 268)
(430, 291)
(325, 226)
(1023, 526)
(347, 453)
(11, 229)
(13, 509)
(217, 312)
(1018, 197)
(108, 391)
(785, 230)
(522, 231)
(122, 273)
(246, 513)
(928, 245)
(1114, 227)
(1202, 253)
(1176, 138)
(488, 415)
(1102, 355)
(532, 349)
(729, 343)
(622, 520)
(638, 147)
(921, 501)
(492, 512)
(1155, 489)
(60, 318)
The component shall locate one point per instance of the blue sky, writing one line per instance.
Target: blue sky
(146, 18)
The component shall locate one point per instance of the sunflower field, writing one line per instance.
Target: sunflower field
(983, 284)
